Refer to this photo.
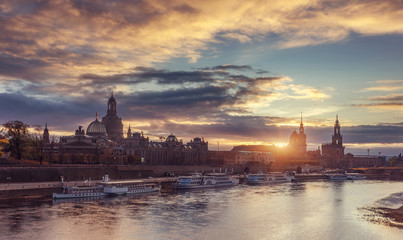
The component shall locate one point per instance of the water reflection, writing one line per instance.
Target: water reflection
(303, 210)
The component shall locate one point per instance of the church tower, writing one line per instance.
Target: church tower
(302, 137)
(129, 132)
(335, 149)
(111, 106)
(46, 134)
(337, 139)
(113, 123)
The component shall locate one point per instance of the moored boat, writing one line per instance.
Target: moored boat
(338, 177)
(79, 192)
(355, 176)
(113, 188)
(208, 181)
(270, 178)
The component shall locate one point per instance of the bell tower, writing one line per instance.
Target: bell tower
(46, 134)
(113, 123)
(337, 138)
(111, 106)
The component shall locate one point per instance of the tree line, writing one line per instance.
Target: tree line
(17, 140)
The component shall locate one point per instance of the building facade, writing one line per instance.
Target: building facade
(169, 152)
(251, 157)
(103, 142)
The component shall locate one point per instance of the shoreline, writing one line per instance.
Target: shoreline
(395, 215)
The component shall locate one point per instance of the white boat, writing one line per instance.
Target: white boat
(113, 188)
(208, 181)
(346, 176)
(79, 192)
(270, 178)
(355, 176)
(338, 177)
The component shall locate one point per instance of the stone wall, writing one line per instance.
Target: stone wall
(77, 172)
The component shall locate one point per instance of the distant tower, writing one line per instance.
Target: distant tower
(301, 126)
(298, 141)
(111, 106)
(113, 123)
(337, 139)
(129, 132)
(46, 134)
(334, 150)
(302, 137)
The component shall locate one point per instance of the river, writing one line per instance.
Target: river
(307, 210)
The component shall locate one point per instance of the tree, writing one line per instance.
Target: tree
(38, 145)
(3, 143)
(18, 138)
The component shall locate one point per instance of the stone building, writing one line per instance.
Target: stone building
(103, 142)
(82, 148)
(250, 157)
(333, 154)
(170, 152)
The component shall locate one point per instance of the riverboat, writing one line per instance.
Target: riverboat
(338, 177)
(80, 192)
(346, 176)
(355, 176)
(270, 178)
(113, 188)
(211, 180)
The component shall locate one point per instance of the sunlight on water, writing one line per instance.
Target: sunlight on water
(311, 210)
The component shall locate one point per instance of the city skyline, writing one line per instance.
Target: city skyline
(234, 73)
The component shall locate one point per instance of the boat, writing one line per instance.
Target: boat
(269, 178)
(338, 177)
(79, 192)
(108, 188)
(208, 181)
(355, 176)
(114, 188)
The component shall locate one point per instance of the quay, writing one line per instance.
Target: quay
(44, 189)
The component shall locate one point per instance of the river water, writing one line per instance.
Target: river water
(308, 210)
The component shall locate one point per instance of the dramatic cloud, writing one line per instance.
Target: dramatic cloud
(389, 102)
(59, 60)
(104, 37)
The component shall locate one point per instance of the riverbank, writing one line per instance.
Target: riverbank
(395, 215)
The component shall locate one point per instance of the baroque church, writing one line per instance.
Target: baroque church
(297, 143)
(103, 142)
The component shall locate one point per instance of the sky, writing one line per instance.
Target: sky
(233, 72)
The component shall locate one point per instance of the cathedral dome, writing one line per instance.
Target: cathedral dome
(96, 129)
(171, 138)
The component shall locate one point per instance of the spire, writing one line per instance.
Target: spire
(112, 94)
(96, 115)
(46, 134)
(301, 124)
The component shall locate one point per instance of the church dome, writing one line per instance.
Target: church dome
(96, 129)
(171, 138)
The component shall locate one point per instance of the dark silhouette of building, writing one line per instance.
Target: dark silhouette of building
(46, 134)
(297, 144)
(335, 149)
(170, 152)
(113, 123)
